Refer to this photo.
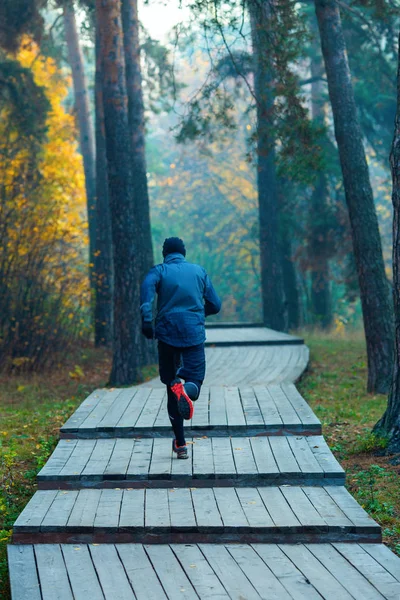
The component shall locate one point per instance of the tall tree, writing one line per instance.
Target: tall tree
(271, 261)
(86, 130)
(318, 243)
(130, 23)
(374, 288)
(126, 338)
(390, 422)
(103, 260)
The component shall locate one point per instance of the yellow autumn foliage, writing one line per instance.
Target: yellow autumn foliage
(43, 262)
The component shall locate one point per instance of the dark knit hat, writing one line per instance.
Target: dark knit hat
(172, 245)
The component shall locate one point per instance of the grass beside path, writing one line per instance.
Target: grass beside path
(335, 387)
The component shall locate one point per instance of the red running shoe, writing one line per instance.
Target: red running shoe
(180, 451)
(185, 405)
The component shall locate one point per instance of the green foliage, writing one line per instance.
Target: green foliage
(18, 18)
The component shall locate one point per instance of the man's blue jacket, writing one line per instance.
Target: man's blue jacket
(185, 297)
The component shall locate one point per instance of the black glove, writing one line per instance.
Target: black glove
(147, 330)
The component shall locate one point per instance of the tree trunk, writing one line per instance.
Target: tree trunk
(374, 288)
(290, 282)
(390, 422)
(318, 245)
(103, 259)
(85, 123)
(271, 260)
(126, 338)
(130, 24)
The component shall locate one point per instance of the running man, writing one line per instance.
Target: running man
(185, 296)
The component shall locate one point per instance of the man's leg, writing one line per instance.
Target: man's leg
(193, 369)
(168, 358)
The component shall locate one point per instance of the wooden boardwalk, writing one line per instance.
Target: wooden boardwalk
(258, 511)
(220, 411)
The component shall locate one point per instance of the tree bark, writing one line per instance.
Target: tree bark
(318, 219)
(130, 24)
(268, 200)
(290, 282)
(374, 288)
(103, 259)
(390, 422)
(86, 131)
(126, 338)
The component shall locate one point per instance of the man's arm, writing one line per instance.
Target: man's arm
(147, 294)
(212, 303)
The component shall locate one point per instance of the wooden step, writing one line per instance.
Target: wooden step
(220, 411)
(239, 461)
(209, 572)
(192, 515)
(249, 336)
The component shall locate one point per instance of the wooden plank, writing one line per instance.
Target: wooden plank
(160, 465)
(230, 508)
(57, 460)
(117, 409)
(58, 514)
(250, 405)
(203, 462)
(260, 575)
(298, 586)
(234, 408)
(81, 572)
(224, 465)
(300, 405)
(304, 457)
(140, 572)
(199, 572)
(108, 510)
(181, 509)
(217, 407)
(385, 557)
(120, 458)
(80, 415)
(111, 572)
(132, 510)
(302, 507)
(283, 455)
(288, 414)
(162, 419)
(357, 586)
(206, 510)
(243, 456)
(157, 509)
(315, 572)
(201, 416)
(100, 410)
(84, 511)
(53, 576)
(353, 511)
(254, 508)
(98, 460)
(170, 573)
(24, 581)
(78, 459)
(267, 406)
(262, 452)
(226, 569)
(373, 571)
(183, 469)
(35, 511)
(281, 513)
(151, 409)
(324, 456)
(327, 508)
(134, 409)
(141, 458)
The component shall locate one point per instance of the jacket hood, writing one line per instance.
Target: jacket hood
(174, 257)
